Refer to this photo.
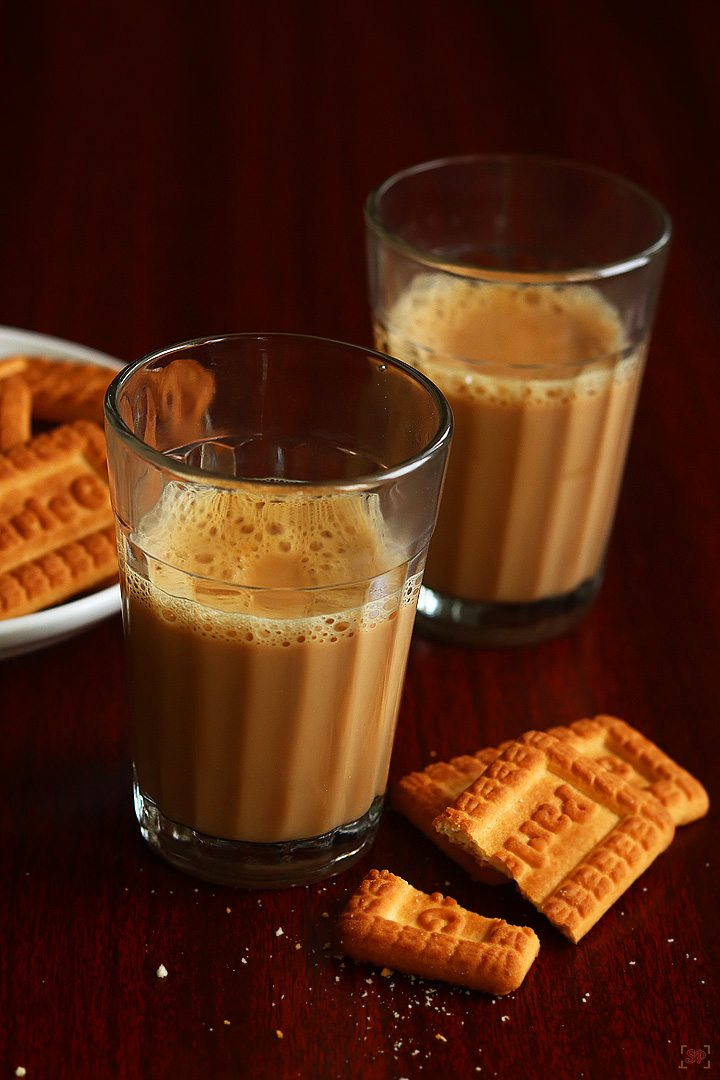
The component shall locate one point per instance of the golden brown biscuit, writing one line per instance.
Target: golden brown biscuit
(47, 455)
(52, 492)
(628, 754)
(53, 495)
(58, 575)
(56, 514)
(572, 835)
(389, 923)
(64, 391)
(15, 411)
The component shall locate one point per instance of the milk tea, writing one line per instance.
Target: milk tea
(264, 708)
(538, 452)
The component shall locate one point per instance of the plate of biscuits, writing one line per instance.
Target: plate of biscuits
(58, 561)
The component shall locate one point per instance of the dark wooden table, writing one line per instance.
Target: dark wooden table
(173, 169)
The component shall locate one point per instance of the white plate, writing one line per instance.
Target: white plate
(29, 632)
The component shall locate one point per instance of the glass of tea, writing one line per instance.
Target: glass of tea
(274, 498)
(525, 288)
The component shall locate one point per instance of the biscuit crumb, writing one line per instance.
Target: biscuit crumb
(441, 1038)
(279, 932)
(21, 1071)
(298, 945)
(162, 972)
(386, 972)
(279, 1034)
(227, 910)
(227, 1023)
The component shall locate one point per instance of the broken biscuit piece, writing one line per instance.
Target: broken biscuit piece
(572, 835)
(422, 796)
(389, 923)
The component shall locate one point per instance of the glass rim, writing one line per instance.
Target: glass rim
(633, 261)
(196, 475)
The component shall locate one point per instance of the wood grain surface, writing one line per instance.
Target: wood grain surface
(173, 169)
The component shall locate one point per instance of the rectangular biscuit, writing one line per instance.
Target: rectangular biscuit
(627, 753)
(64, 391)
(389, 923)
(57, 576)
(15, 411)
(55, 494)
(571, 834)
(50, 454)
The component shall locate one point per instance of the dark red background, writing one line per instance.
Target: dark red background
(172, 169)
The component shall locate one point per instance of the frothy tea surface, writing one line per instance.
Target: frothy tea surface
(255, 539)
(538, 451)
(268, 642)
(496, 324)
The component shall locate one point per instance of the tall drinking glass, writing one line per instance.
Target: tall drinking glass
(274, 498)
(525, 288)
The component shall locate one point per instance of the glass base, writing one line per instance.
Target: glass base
(446, 618)
(256, 866)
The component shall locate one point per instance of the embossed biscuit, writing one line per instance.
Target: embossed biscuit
(51, 494)
(628, 754)
(58, 575)
(63, 512)
(422, 796)
(388, 922)
(572, 835)
(15, 411)
(48, 455)
(64, 391)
